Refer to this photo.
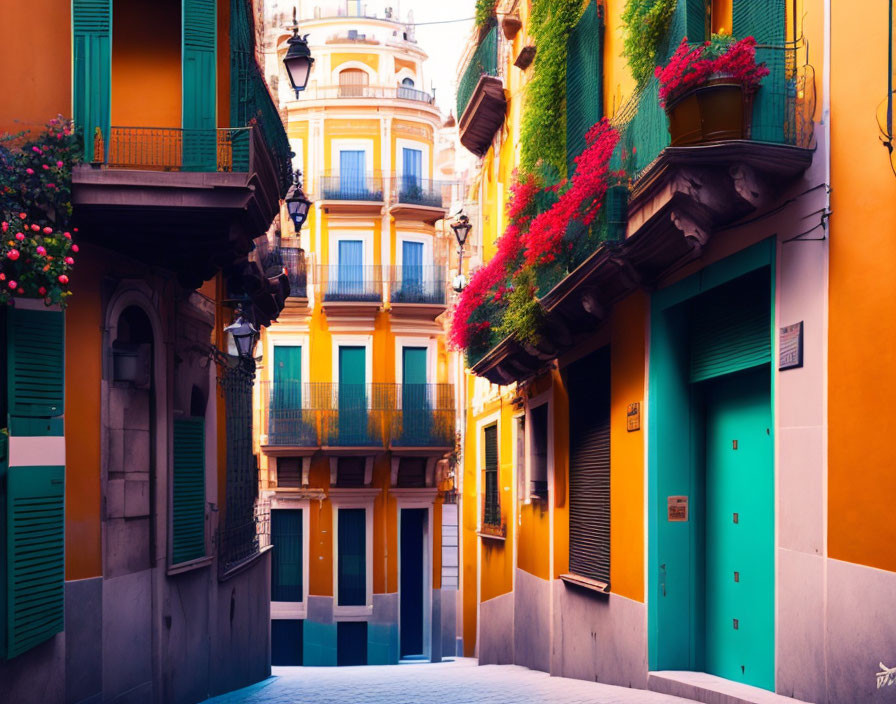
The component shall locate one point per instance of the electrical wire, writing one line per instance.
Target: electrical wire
(423, 24)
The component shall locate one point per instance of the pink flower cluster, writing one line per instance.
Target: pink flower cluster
(689, 68)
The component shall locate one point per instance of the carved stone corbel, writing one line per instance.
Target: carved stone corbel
(746, 184)
(696, 234)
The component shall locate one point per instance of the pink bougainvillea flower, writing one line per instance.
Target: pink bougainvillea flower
(67, 235)
(51, 185)
(36, 150)
(22, 216)
(63, 279)
(29, 171)
(20, 236)
(13, 254)
(75, 248)
(2, 276)
(41, 251)
(12, 284)
(4, 226)
(48, 230)
(45, 167)
(59, 164)
(42, 291)
(35, 228)
(69, 261)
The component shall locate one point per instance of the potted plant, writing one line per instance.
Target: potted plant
(707, 90)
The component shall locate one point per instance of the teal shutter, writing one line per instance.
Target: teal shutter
(765, 20)
(353, 397)
(286, 563)
(35, 556)
(492, 506)
(731, 328)
(697, 27)
(92, 90)
(199, 78)
(352, 557)
(35, 369)
(188, 525)
(584, 80)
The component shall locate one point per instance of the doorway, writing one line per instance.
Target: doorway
(413, 579)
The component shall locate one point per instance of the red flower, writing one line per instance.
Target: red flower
(13, 254)
(63, 279)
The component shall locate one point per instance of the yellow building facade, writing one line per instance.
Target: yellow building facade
(355, 405)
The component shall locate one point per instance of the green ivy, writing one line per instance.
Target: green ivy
(645, 24)
(524, 316)
(485, 10)
(543, 129)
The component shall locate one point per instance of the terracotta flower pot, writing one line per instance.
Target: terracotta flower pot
(717, 111)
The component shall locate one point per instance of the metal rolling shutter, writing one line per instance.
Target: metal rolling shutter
(589, 464)
(731, 327)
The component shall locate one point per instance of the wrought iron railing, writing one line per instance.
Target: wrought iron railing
(321, 414)
(408, 189)
(294, 262)
(349, 282)
(484, 62)
(417, 284)
(351, 186)
(361, 90)
(175, 149)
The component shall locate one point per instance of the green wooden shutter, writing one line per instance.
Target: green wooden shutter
(199, 85)
(92, 48)
(492, 506)
(765, 20)
(287, 561)
(697, 27)
(731, 328)
(35, 556)
(352, 556)
(584, 80)
(188, 525)
(35, 368)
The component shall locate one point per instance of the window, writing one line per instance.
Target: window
(407, 82)
(353, 83)
(588, 382)
(352, 166)
(287, 559)
(491, 506)
(352, 557)
(520, 470)
(353, 8)
(538, 453)
(412, 472)
(188, 510)
(411, 170)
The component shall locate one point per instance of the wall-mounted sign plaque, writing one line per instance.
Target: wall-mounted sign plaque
(790, 344)
(633, 417)
(677, 507)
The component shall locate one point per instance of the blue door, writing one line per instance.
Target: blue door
(412, 271)
(412, 172)
(350, 274)
(352, 167)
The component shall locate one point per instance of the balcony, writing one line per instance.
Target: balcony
(292, 259)
(420, 199)
(351, 192)
(185, 198)
(351, 290)
(418, 290)
(481, 103)
(356, 418)
(364, 92)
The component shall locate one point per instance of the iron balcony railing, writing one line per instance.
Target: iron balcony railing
(351, 283)
(175, 149)
(351, 186)
(322, 414)
(412, 190)
(484, 62)
(417, 284)
(294, 262)
(362, 90)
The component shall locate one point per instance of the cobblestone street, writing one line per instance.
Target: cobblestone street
(456, 682)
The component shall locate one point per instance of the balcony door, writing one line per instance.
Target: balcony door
(352, 168)
(411, 270)
(286, 395)
(350, 269)
(416, 417)
(352, 420)
(412, 172)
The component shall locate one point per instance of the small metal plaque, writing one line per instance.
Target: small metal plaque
(790, 344)
(677, 507)
(633, 417)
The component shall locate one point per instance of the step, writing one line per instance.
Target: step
(702, 687)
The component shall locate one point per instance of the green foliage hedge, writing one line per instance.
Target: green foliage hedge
(645, 24)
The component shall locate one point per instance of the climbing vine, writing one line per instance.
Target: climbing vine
(485, 10)
(543, 128)
(645, 23)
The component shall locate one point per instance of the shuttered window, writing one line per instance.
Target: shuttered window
(491, 507)
(188, 510)
(697, 20)
(731, 327)
(538, 449)
(92, 74)
(352, 556)
(287, 560)
(34, 542)
(589, 467)
(584, 80)
(199, 83)
(35, 363)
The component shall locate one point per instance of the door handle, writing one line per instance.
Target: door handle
(663, 577)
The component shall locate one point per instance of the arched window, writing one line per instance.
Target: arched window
(408, 82)
(353, 83)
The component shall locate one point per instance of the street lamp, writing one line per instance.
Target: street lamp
(245, 337)
(298, 59)
(296, 202)
(461, 229)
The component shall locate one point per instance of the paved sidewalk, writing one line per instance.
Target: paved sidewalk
(456, 682)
